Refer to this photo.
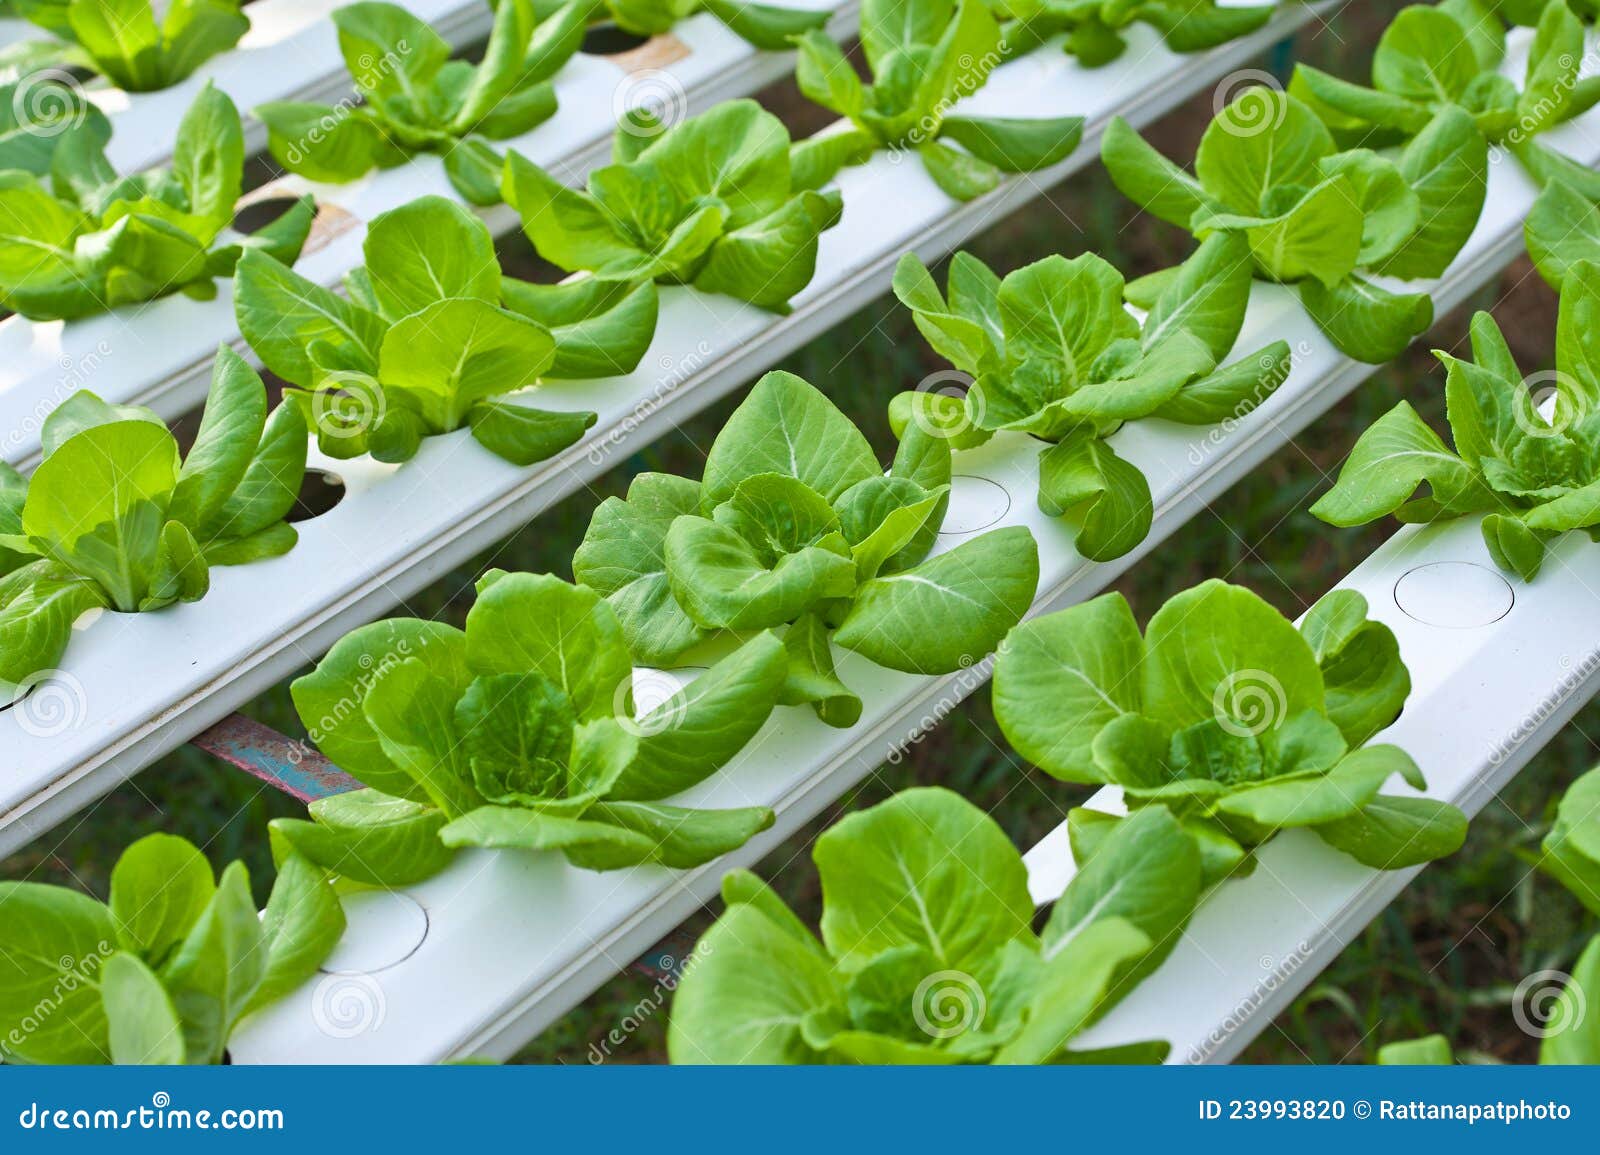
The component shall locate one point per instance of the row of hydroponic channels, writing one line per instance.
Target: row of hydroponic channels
(520, 732)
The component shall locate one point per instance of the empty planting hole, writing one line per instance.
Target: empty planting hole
(608, 40)
(1454, 595)
(975, 503)
(257, 215)
(320, 491)
(383, 928)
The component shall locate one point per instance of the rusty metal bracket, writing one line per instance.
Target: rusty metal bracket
(287, 764)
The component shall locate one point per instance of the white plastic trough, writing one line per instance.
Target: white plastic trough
(484, 956)
(159, 353)
(481, 958)
(291, 52)
(1497, 668)
(138, 685)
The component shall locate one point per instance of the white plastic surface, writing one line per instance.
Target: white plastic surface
(1484, 699)
(146, 682)
(291, 52)
(518, 939)
(159, 353)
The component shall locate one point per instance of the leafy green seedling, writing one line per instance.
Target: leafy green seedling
(114, 517)
(128, 42)
(766, 26)
(1230, 717)
(92, 240)
(927, 953)
(431, 337)
(1322, 220)
(520, 731)
(1052, 352)
(712, 202)
(165, 971)
(794, 524)
(1094, 29)
(1433, 58)
(1527, 452)
(925, 56)
(419, 100)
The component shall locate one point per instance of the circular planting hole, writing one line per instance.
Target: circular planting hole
(385, 928)
(1454, 595)
(257, 215)
(975, 503)
(320, 491)
(608, 40)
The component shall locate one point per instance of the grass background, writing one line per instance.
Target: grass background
(1446, 956)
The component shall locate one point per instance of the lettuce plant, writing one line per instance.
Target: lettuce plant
(520, 732)
(1230, 717)
(164, 971)
(1572, 847)
(711, 202)
(927, 952)
(1322, 220)
(766, 26)
(925, 56)
(1561, 230)
(417, 99)
(93, 240)
(1094, 28)
(1052, 352)
(430, 336)
(130, 42)
(795, 524)
(1433, 58)
(33, 116)
(1532, 471)
(114, 518)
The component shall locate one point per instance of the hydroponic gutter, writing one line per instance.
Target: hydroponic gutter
(1497, 668)
(484, 956)
(138, 685)
(159, 353)
(291, 52)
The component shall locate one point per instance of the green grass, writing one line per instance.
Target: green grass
(1445, 956)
